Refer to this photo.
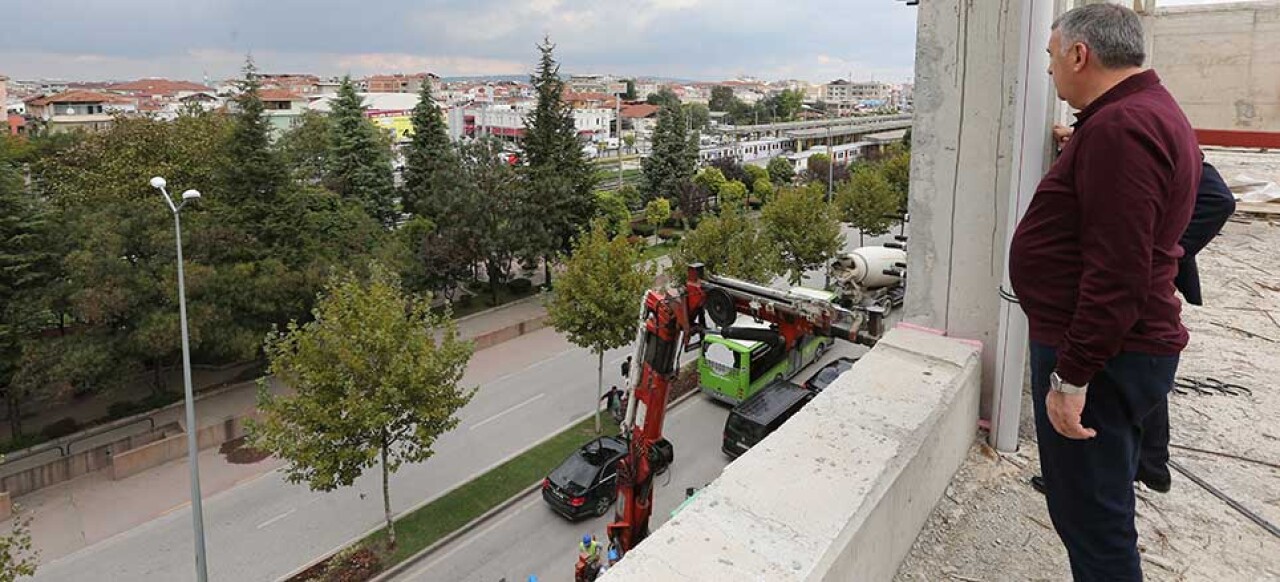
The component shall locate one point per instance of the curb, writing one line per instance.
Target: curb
(470, 526)
(424, 502)
(450, 537)
(465, 528)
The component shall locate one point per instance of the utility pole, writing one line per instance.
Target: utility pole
(617, 132)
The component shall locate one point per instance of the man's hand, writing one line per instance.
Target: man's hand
(1062, 135)
(1064, 414)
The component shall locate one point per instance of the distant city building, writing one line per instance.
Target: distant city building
(157, 88)
(842, 91)
(282, 107)
(78, 109)
(591, 83)
(399, 83)
(4, 94)
(641, 116)
(293, 83)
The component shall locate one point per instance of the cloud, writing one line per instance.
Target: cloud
(703, 39)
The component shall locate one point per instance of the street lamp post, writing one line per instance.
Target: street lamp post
(197, 512)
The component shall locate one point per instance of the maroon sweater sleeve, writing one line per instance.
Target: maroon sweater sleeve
(1119, 175)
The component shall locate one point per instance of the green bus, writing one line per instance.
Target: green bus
(731, 370)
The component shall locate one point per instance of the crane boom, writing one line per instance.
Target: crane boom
(669, 318)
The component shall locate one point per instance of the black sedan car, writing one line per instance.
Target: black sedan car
(585, 484)
(828, 374)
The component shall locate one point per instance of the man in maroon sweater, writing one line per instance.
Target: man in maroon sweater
(1093, 263)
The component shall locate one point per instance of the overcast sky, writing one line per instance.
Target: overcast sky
(814, 40)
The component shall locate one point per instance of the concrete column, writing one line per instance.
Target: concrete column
(980, 142)
(962, 145)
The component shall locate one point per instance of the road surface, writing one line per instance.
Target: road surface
(530, 387)
(530, 538)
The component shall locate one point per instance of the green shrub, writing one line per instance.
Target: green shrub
(61, 428)
(519, 286)
(642, 229)
(668, 234)
(22, 442)
(122, 409)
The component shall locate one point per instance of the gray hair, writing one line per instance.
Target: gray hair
(1113, 33)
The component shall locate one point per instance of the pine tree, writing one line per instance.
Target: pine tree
(558, 177)
(431, 171)
(252, 176)
(359, 162)
(674, 152)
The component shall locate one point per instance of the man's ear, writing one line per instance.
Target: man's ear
(1080, 56)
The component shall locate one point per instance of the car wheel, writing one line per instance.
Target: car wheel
(602, 506)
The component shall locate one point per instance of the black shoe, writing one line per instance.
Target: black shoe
(1160, 483)
(1157, 483)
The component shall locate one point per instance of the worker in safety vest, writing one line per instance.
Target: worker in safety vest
(590, 548)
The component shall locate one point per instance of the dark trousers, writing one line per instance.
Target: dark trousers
(1153, 464)
(1090, 482)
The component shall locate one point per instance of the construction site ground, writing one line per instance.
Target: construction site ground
(991, 525)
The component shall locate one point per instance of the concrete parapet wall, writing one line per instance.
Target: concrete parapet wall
(74, 465)
(174, 447)
(493, 338)
(6, 506)
(839, 492)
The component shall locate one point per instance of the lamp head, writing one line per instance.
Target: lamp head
(190, 194)
(158, 183)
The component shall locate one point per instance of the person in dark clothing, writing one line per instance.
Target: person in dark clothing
(613, 401)
(626, 369)
(1214, 205)
(1092, 263)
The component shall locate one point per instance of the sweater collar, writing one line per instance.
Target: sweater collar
(1125, 88)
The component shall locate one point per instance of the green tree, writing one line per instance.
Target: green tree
(631, 195)
(252, 174)
(432, 174)
(867, 201)
(595, 302)
(729, 244)
(804, 228)
(630, 141)
(896, 169)
(17, 557)
(496, 208)
(304, 149)
(613, 211)
(630, 95)
(359, 160)
(693, 201)
(675, 152)
(26, 267)
(373, 385)
(754, 174)
(699, 117)
(657, 212)
(781, 171)
(710, 178)
(722, 98)
(733, 194)
(762, 190)
(665, 97)
(559, 180)
(786, 104)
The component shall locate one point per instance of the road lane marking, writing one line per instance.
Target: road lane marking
(473, 537)
(506, 412)
(277, 518)
(526, 369)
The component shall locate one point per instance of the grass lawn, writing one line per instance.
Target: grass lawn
(661, 249)
(446, 514)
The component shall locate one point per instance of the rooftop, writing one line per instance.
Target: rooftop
(990, 520)
(78, 96)
(157, 87)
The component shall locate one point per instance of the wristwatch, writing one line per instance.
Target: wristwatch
(1057, 384)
